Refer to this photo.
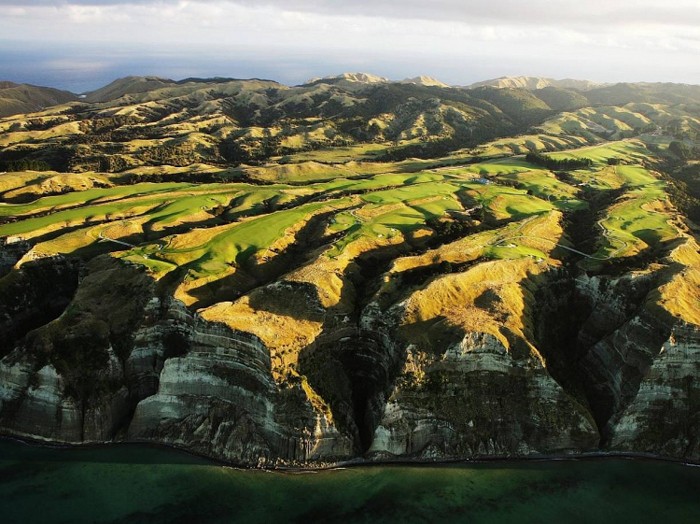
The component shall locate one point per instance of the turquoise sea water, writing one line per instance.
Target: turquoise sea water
(149, 484)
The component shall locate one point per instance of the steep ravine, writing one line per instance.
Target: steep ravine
(34, 295)
(475, 390)
(122, 362)
(597, 339)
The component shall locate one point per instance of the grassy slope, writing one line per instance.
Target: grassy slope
(393, 202)
(212, 230)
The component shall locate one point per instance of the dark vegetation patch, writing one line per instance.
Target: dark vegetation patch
(558, 164)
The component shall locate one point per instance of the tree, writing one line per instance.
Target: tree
(680, 149)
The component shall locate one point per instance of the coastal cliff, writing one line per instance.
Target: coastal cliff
(108, 369)
(354, 268)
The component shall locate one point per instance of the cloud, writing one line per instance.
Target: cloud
(538, 12)
(604, 40)
(591, 16)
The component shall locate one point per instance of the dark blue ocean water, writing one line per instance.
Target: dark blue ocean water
(134, 484)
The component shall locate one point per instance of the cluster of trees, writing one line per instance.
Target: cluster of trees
(683, 151)
(246, 150)
(39, 124)
(201, 178)
(451, 229)
(558, 165)
(427, 149)
(175, 155)
(250, 151)
(53, 158)
(25, 165)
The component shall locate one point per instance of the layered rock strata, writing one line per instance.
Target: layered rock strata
(110, 368)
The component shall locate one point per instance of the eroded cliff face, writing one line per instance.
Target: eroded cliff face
(469, 364)
(64, 378)
(217, 396)
(471, 383)
(477, 399)
(664, 416)
(111, 368)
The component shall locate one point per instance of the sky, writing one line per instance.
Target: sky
(83, 44)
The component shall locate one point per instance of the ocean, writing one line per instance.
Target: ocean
(139, 483)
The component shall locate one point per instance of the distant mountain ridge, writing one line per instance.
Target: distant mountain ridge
(26, 98)
(348, 78)
(368, 78)
(219, 120)
(536, 82)
(18, 98)
(424, 81)
(127, 85)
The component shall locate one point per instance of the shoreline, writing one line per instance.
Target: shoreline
(360, 462)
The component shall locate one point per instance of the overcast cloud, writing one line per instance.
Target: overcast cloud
(289, 40)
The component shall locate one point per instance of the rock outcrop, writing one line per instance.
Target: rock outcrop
(477, 399)
(219, 398)
(664, 418)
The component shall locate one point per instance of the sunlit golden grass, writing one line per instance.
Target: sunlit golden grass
(680, 294)
(213, 233)
(486, 298)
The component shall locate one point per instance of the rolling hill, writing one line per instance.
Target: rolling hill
(25, 98)
(536, 82)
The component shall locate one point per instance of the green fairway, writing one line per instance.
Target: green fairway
(634, 223)
(637, 176)
(235, 243)
(89, 196)
(629, 151)
(230, 222)
(501, 166)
